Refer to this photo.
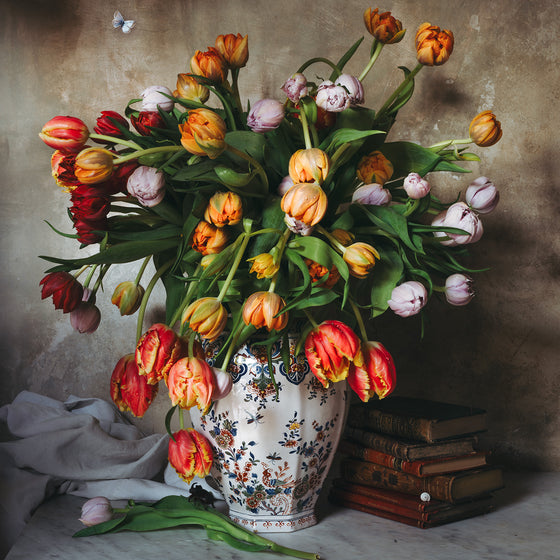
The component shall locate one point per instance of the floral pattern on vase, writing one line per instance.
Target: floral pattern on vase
(272, 455)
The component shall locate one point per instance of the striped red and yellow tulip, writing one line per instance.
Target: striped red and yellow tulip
(190, 454)
(191, 383)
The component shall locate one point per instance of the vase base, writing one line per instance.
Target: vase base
(274, 523)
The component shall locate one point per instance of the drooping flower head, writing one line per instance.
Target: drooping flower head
(190, 454)
(208, 239)
(191, 383)
(482, 195)
(224, 209)
(65, 290)
(188, 87)
(206, 316)
(433, 45)
(306, 202)
(374, 168)
(93, 165)
(458, 289)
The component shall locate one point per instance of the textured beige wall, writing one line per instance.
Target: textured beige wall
(501, 352)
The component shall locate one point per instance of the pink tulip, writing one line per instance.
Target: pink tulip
(87, 316)
(95, 511)
(353, 86)
(408, 299)
(459, 216)
(156, 96)
(265, 115)
(458, 289)
(482, 195)
(147, 184)
(295, 87)
(374, 195)
(415, 186)
(332, 98)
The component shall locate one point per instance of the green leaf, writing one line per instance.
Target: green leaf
(146, 234)
(404, 95)
(344, 136)
(249, 142)
(345, 58)
(168, 418)
(384, 277)
(68, 235)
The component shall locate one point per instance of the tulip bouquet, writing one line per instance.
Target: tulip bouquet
(289, 215)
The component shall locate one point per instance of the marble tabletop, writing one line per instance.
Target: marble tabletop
(525, 525)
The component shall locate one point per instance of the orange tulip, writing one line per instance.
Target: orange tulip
(485, 130)
(433, 45)
(317, 272)
(376, 375)
(342, 236)
(360, 258)
(208, 239)
(224, 209)
(65, 133)
(234, 49)
(384, 27)
(62, 165)
(306, 202)
(309, 165)
(128, 297)
(206, 316)
(203, 133)
(264, 265)
(191, 383)
(188, 87)
(209, 64)
(93, 165)
(374, 168)
(260, 310)
(190, 454)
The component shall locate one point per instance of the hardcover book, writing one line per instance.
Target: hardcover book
(425, 467)
(417, 419)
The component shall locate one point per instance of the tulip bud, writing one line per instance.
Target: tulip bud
(209, 64)
(128, 297)
(343, 237)
(265, 115)
(261, 310)
(295, 88)
(190, 454)
(86, 317)
(408, 298)
(145, 120)
(191, 383)
(203, 133)
(306, 202)
(65, 133)
(373, 195)
(106, 124)
(415, 186)
(65, 290)
(189, 88)
(206, 316)
(156, 97)
(95, 511)
(360, 258)
(433, 45)
(458, 289)
(318, 272)
(374, 168)
(384, 27)
(208, 239)
(147, 184)
(93, 165)
(332, 98)
(485, 130)
(353, 87)
(234, 49)
(459, 216)
(285, 185)
(376, 376)
(482, 195)
(223, 384)
(264, 266)
(309, 165)
(224, 209)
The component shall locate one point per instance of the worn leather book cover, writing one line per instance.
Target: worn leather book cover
(417, 419)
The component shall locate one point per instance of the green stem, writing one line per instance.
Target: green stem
(114, 140)
(234, 267)
(396, 93)
(446, 143)
(181, 419)
(141, 271)
(252, 161)
(310, 318)
(90, 275)
(360, 321)
(137, 154)
(102, 273)
(186, 300)
(378, 47)
(305, 128)
(338, 246)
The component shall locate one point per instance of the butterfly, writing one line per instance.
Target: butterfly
(125, 25)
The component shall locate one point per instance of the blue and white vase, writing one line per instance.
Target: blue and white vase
(272, 455)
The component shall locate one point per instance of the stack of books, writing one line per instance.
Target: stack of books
(415, 461)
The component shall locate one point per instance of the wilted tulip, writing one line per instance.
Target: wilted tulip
(188, 87)
(376, 376)
(224, 209)
(95, 511)
(206, 316)
(107, 124)
(146, 120)
(458, 289)
(65, 133)
(332, 98)
(306, 202)
(415, 186)
(384, 27)
(353, 86)
(86, 317)
(485, 130)
(234, 49)
(360, 258)
(318, 272)
(156, 97)
(65, 290)
(131, 391)
(147, 184)
(295, 88)
(373, 195)
(265, 115)
(209, 64)
(157, 350)
(482, 195)
(374, 168)
(459, 216)
(190, 454)
(128, 297)
(208, 239)
(309, 165)
(62, 165)
(191, 383)
(93, 165)
(330, 348)
(264, 266)
(260, 310)
(408, 298)
(433, 45)
(203, 133)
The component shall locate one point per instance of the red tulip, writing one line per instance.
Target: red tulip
(190, 454)
(330, 349)
(65, 133)
(376, 375)
(145, 120)
(62, 164)
(65, 290)
(107, 126)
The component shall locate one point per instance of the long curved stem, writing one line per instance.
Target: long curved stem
(375, 55)
(399, 89)
(139, 153)
(114, 140)
(252, 161)
(234, 267)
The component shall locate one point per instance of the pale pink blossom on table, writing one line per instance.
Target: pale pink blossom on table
(332, 98)
(285, 185)
(265, 115)
(297, 226)
(153, 97)
(373, 194)
(482, 195)
(147, 184)
(296, 87)
(408, 299)
(458, 289)
(459, 216)
(86, 317)
(95, 511)
(353, 87)
(415, 186)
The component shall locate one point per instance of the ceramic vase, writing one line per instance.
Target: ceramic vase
(274, 438)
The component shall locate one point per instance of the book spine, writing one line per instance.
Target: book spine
(377, 442)
(418, 429)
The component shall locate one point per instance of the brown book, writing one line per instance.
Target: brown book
(409, 450)
(417, 419)
(425, 467)
(450, 487)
